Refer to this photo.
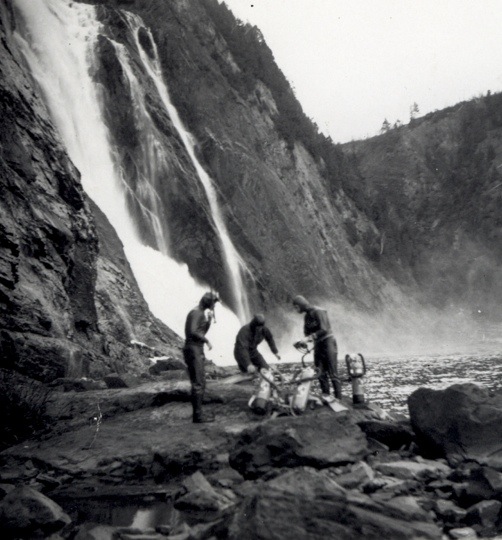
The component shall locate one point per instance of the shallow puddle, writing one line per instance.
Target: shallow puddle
(141, 513)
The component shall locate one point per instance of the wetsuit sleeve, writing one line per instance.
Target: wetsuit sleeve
(195, 327)
(269, 338)
(306, 329)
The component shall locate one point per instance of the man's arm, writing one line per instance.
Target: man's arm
(269, 338)
(196, 322)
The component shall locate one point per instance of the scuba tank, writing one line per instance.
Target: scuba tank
(259, 402)
(356, 368)
(301, 395)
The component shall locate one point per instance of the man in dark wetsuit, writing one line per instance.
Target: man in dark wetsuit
(196, 326)
(317, 327)
(246, 343)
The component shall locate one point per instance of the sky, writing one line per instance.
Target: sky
(354, 63)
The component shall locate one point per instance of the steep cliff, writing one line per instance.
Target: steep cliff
(294, 231)
(54, 270)
(434, 190)
(411, 215)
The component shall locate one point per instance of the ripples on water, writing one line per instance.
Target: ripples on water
(391, 379)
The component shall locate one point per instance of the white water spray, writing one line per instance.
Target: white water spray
(58, 39)
(233, 261)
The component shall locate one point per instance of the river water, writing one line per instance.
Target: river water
(391, 379)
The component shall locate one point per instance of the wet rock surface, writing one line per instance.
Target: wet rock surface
(69, 305)
(245, 476)
(329, 441)
(462, 422)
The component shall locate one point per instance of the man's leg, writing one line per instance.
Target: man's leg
(242, 359)
(319, 363)
(332, 367)
(194, 359)
(258, 361)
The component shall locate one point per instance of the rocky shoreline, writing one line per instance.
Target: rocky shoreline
(362, 473)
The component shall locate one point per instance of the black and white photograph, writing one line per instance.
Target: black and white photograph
(250, 269)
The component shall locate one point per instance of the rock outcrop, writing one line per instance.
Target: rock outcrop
(461, 422)
(331, 441)
(303, 503)
(433, 189)
(291, 487)
(282, 214)
(27, 513)
(69, 303)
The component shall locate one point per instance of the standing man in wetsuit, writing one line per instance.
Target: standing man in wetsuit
(248, 338)
(318, 328)
(196, 326)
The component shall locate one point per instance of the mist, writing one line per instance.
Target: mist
(400, 330)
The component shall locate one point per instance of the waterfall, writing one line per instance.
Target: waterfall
(58, 39)
(233, 261)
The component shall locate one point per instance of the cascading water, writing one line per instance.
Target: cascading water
(58, 39)
(232, 259)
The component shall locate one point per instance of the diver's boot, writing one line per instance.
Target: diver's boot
(198, 416)
(337, 387)
(203, 418)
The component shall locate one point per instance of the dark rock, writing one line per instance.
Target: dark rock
(391, 434)
(484, 516)
(115, 381)
(449, 512)
(68, 384)
(320, 440)
(359, 475)
(410, 470)
(463, 421)
(91, 531)
(201, 497)
(387, 487)
(304, 503)
(25, 511)
(166, 364)
(479, 483)
(48, 482)
(471, 492)
(175, 375)
(442, 488)
(6, 488)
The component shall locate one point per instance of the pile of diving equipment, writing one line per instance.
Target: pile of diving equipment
(277, 395)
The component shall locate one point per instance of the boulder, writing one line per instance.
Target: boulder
(478, 484)
(462, 422)
(413, 470)
(358, 475)
(305, 503)
(449, 512)
(25, 512)
(113, 380)
(318, 440)
(485, 517)
(201, 498)
(5, 489)
(166, 363)
(394, 435)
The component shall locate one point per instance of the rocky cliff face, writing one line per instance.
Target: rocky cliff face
(59, 314)
(356, 226)
(433, 188)
(292, 231)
